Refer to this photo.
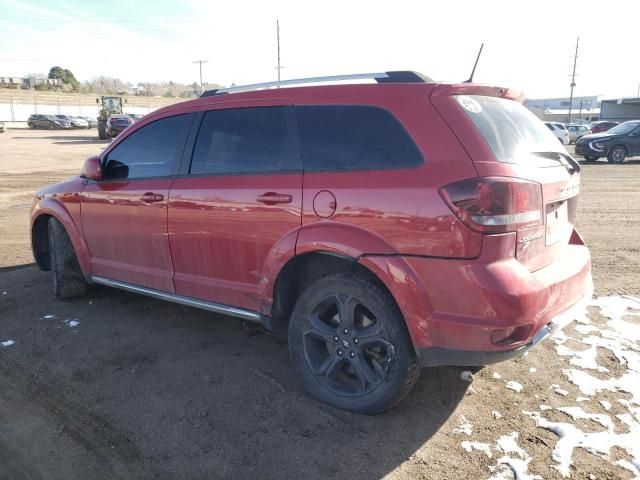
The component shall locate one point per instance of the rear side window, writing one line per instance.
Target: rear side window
(151, 151)
(353, 137)
(244, 140)
(511, 131)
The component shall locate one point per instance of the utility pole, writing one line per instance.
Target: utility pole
(573, 78)
(201, 62)
(279, 67)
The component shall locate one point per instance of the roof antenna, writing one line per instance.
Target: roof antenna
(475, 65)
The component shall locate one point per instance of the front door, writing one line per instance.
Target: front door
(124, 216)
(238, 204)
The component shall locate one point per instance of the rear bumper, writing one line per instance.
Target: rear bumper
(436, 356)
(492, 308)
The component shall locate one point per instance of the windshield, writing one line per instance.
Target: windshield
(624, 128)
(512, 131)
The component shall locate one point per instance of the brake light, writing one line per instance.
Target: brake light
(495, 204)
(129, 120)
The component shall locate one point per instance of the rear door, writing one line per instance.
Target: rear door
(237, 206)
(505, 139)
(124, 215)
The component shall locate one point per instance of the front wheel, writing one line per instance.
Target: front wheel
(617, 154)
(66, 277)
(350, 346)
(102, 131)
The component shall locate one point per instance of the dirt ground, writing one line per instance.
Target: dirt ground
(139, 388)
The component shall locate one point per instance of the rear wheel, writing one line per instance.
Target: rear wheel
(66, 277)
(31, 125)
(591, 158)
(350, 346)
(617, 154)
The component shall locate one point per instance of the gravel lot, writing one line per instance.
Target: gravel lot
(138, 388)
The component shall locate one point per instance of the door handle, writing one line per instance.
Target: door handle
(273, 198)
(150, 197)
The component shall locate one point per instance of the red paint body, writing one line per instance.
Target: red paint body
(217, 238)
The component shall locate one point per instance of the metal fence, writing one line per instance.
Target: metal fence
(17, 106)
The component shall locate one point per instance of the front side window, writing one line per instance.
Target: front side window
(152, 151)
(624, 128)
(353, 137)
(243, 140)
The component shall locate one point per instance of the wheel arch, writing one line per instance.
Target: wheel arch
(304, 269)
(46, 209)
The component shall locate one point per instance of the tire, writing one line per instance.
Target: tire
(67, 279)
(31, 125)
(102, 131)
(372, 366)
(617, 154)
(591, 158)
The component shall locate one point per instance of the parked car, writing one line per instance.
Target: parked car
(616, 144)
(383, 227)
(76, 122)
(116, 123)
(576, 131)
(560, 131)
(47, 121)
(135, 116)
(92, 122)
(602, 126)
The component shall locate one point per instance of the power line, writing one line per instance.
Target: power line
(573, 78)
(201, 62)
(279, 67)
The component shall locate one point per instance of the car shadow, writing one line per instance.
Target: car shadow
(69, 139)
(206, 395)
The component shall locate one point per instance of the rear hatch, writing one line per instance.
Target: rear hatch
(518, 159)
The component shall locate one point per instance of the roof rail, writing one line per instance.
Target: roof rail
(380, 77)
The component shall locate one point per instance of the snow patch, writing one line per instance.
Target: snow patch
(483, 447)
(72, 323)
(560, 391)
(605, 404)
(7, 343)
(533, 370)
(496, 375)
(597, 443)
(466, 376)
(48, 317)
(465, 426)
(515, 386)
(495, 414)
(516, 464)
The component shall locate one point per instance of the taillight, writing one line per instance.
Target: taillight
(495, 204)
(129, 120)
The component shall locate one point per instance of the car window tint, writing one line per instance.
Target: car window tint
(151, 151)
(349, 137)
(243, 140)
(549, 126)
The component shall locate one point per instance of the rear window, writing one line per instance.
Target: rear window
(353, 137)
(511, 131)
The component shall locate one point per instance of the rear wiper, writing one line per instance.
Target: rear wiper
(570, 163)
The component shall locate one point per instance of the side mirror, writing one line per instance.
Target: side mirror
(92, 169)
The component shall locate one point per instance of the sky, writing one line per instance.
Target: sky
(528, 44)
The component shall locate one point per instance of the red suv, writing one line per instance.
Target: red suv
(385, 226)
